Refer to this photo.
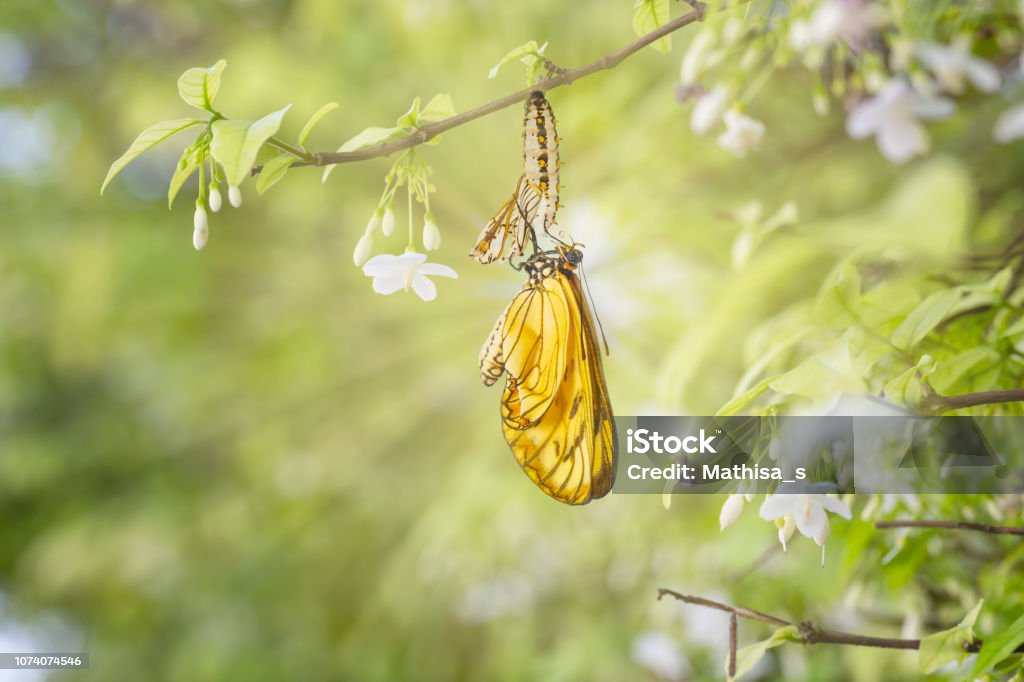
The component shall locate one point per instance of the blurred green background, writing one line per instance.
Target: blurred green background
(242, 464)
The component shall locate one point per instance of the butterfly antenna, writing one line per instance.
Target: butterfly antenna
(600, 327)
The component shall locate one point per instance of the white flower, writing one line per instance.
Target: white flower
(363, 249)
(708, 109)
(951, 63)
(800, 37)
(808, 511)
(388, 224)
(892, 117)
(851, 20)
(201, 227)
(235, 196)
(431, 235)
(1010, 125)
(659, 653)
(742, 133)
(408, 271)
(215, 201)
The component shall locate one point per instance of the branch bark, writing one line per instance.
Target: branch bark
(952, 525)
(560, 78)
(811, 633)
(948, 403)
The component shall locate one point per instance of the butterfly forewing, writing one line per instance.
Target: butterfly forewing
(556, 416)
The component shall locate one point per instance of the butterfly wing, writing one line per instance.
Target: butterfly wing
(568, 447)
(507, 232)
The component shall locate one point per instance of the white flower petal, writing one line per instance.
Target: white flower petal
(777, 506)
(983, 75)
(438, 270)
(836, 506)
(707, 110)
(382, 264)
(864, 119)
(811, 519)
(424, 288)
(388, 284)
(899, 141)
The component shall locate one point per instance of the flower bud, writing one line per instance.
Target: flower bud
(363, 250)
(375, 221)
(388, 223)
(235, 196)
(201, 229)
(431, 235)
(199, 238)
(215, 200)
(730, 511)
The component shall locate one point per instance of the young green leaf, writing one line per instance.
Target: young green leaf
(236, 143)
(411, 118)
(906, 388)
(314, 119)
(438, 108)
(273, 171)
(997, 647)
(649, 15)
(148, 138)
(187, 165)
(529, 54)
(949, 372)
(198, 86)
(925, 317)
(838, 304)
(749, 656)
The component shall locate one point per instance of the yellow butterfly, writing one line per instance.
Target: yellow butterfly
(555, 412)
(532, 208)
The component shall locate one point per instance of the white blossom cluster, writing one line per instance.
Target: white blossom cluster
(894, 77)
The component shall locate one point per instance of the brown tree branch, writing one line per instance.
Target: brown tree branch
(559, 77)
(948, 403)
(811, 633)
(952, 525)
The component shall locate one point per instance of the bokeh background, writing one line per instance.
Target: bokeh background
(242, 464)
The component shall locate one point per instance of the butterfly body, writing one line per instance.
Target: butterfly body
(555, 412)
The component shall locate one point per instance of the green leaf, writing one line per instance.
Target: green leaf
(411, 118)
(236, 143)
(824, 375)
(750, 656)
(1014, 329)
(198, 86)
(906, 388)
(944, 647)
(649, 15)
(949, 372)
(734, 406)
(437, 109)
(148, 138)
(925, 317)
(838, 304)
(187, 165)
(997, 647)
(273, 170)
(528, 53)
(314, 119)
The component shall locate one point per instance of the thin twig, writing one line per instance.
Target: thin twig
(948, 403)
(558, 79)
(733, 637)
(952, 525)
(809, 632)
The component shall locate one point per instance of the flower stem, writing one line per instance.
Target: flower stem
(411, 245)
